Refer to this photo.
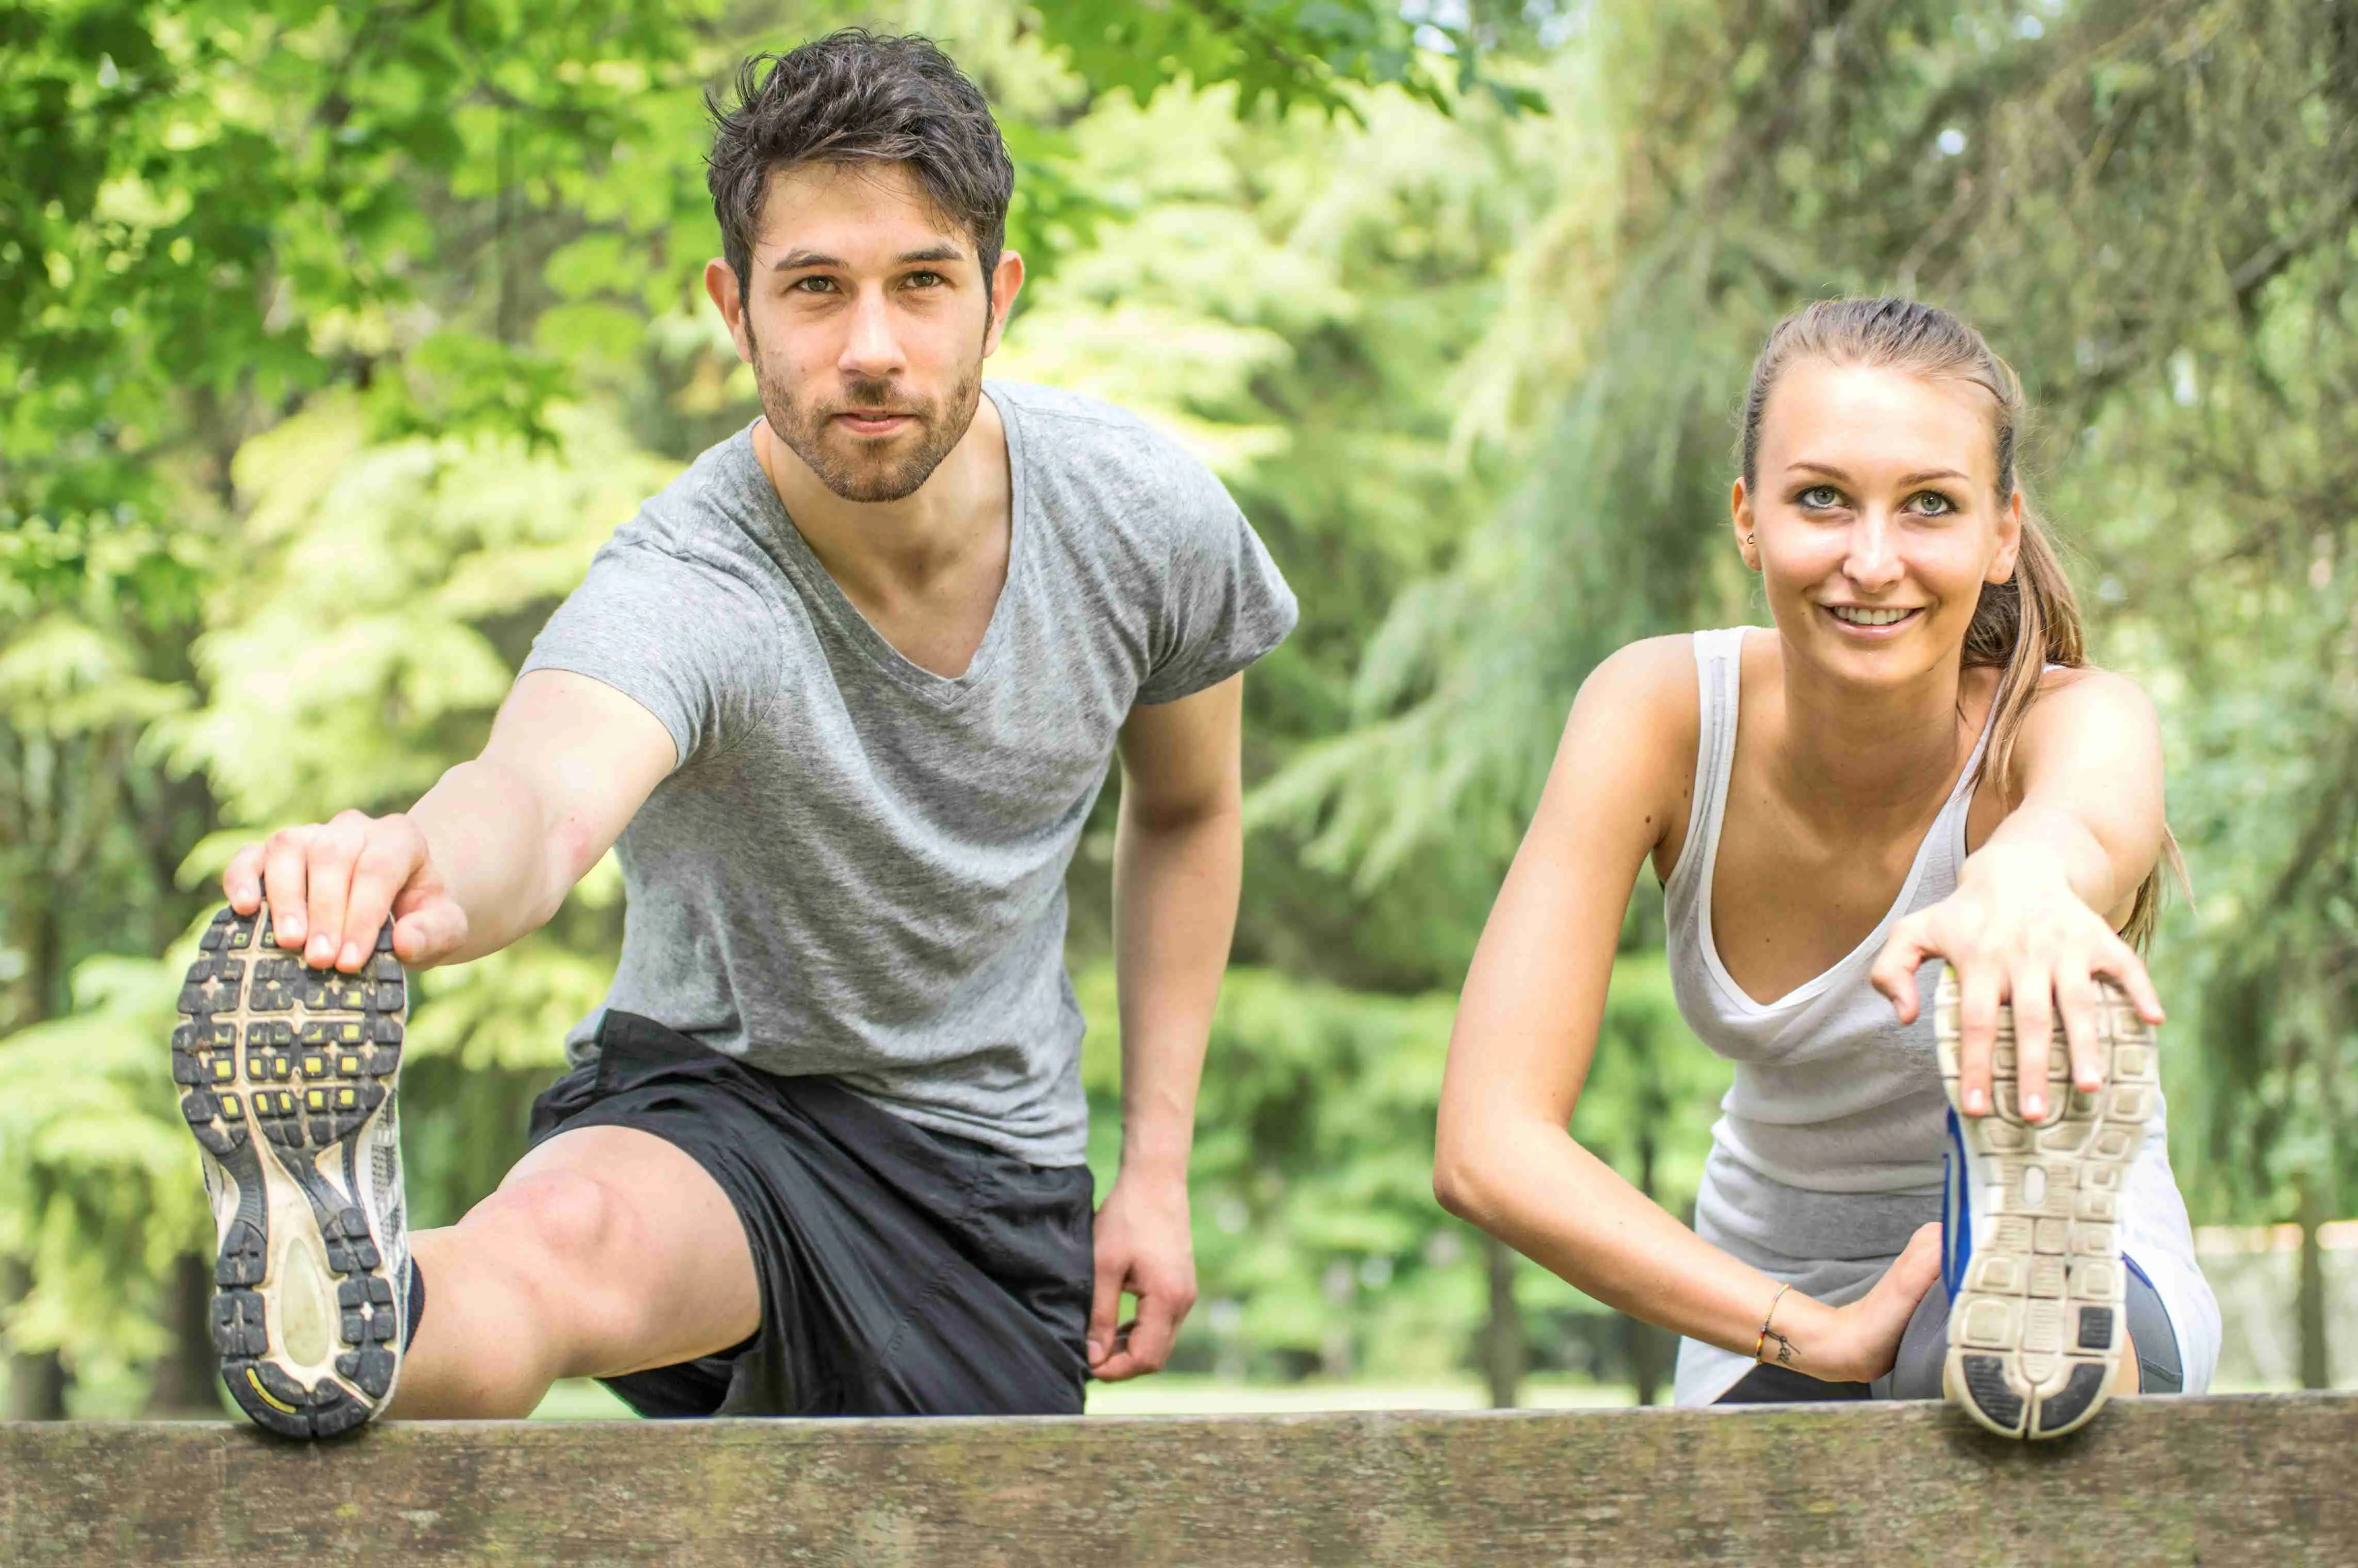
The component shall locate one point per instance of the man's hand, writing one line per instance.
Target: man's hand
(330, 885)
(1145, 1247)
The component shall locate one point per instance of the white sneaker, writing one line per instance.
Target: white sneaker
(2031, 1231)
(287, 1077)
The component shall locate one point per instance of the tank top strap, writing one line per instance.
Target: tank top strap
(1719, 664)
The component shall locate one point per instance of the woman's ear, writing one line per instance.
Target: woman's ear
(2009, 540)
(1739, 510)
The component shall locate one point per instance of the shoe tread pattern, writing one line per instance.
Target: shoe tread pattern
(277, 1061)
(2032, 1334)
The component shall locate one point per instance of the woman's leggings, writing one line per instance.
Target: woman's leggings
(1916, 1374)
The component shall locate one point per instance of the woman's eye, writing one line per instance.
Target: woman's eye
(1820, 497)
(1933, 503)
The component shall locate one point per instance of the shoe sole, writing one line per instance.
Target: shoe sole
(2033, 1335)
(283, 1070)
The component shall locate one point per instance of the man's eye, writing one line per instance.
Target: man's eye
(1820, 497)
(813, 285)
(925, 279)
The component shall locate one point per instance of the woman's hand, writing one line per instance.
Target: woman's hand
(2014, 931)
(1857, 1343)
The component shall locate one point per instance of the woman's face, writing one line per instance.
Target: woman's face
(1874, 520)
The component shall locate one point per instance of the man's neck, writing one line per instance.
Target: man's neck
(880, 552)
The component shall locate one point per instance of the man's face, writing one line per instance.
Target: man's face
(866, 322)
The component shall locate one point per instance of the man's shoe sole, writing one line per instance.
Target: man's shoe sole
(281, 1070)
(2035, 1333)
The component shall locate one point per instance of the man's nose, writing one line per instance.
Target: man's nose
(872, 348)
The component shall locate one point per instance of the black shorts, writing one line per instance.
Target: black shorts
(903, 1272)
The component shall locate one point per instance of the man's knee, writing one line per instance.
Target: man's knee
(566, 1228)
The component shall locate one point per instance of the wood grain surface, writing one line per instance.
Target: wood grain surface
(2259, 1479)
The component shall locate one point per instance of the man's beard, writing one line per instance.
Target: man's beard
(837, 458)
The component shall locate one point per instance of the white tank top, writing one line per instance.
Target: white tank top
(1826, 1156)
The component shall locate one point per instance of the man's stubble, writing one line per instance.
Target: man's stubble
(940, 427)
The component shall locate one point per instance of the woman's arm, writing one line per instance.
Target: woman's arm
(1527, 1029)
(2036, 914)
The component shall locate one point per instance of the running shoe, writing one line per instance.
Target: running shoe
(287, 1078)
(2031, 1227)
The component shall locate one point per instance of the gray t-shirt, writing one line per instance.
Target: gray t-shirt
(857, 866)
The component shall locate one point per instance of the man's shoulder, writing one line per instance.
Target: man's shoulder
(702, 520)
(1112, 460)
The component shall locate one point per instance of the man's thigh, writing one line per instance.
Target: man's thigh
(648, 1236)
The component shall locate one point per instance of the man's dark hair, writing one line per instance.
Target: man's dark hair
(855, 96)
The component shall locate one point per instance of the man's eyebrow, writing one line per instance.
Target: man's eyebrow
(942, 252)
(794, 261)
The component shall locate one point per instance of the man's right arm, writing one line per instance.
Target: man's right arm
(487, 855)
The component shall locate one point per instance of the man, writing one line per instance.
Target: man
(840, 698)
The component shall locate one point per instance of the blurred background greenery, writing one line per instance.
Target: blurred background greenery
(334, 338)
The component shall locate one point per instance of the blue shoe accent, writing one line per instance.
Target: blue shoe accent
(1956, 1214)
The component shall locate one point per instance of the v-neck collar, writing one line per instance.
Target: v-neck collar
(825, 596)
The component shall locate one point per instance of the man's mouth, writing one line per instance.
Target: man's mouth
(873, 421)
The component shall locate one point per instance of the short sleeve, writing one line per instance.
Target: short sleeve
(1224, 604)
(687, 640)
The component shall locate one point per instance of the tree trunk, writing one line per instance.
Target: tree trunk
(2309, 1303)
(186, 1378)
(37, 1380)
(1503, 1352)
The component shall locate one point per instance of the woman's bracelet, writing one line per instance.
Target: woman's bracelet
(1784, 1346)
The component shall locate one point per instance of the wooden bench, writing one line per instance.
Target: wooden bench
(2260, 1479)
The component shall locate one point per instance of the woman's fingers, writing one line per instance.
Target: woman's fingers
(1895, 968)
(1978, 988)
(2077, 998)
(2119, 960)
(2031, 987)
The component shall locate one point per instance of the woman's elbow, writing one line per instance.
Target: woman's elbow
(1462, 1181)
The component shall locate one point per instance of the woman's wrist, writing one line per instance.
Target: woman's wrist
(1802, 1334)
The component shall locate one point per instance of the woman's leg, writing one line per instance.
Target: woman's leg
(2149, 1353)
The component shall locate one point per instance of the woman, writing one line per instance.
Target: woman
(1915, 766)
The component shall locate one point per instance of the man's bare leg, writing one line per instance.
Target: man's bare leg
(606, 1251)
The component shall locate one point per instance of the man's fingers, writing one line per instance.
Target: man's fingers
(386, 862)
(335, 848)
(1105, 1306)
(1158, 1327)
(424, 934)
(2034, 1032)
(242, 879)
(284, 880)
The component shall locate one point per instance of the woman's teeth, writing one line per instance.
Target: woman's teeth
(1858, 617)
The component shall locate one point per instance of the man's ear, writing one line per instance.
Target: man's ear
(1739, 511)
(721, 282)
(1006, 282)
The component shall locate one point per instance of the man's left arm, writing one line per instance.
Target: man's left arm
(1178, 860)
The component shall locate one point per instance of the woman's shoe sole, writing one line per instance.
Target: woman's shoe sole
(2035, 1332)
(287, 1078)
